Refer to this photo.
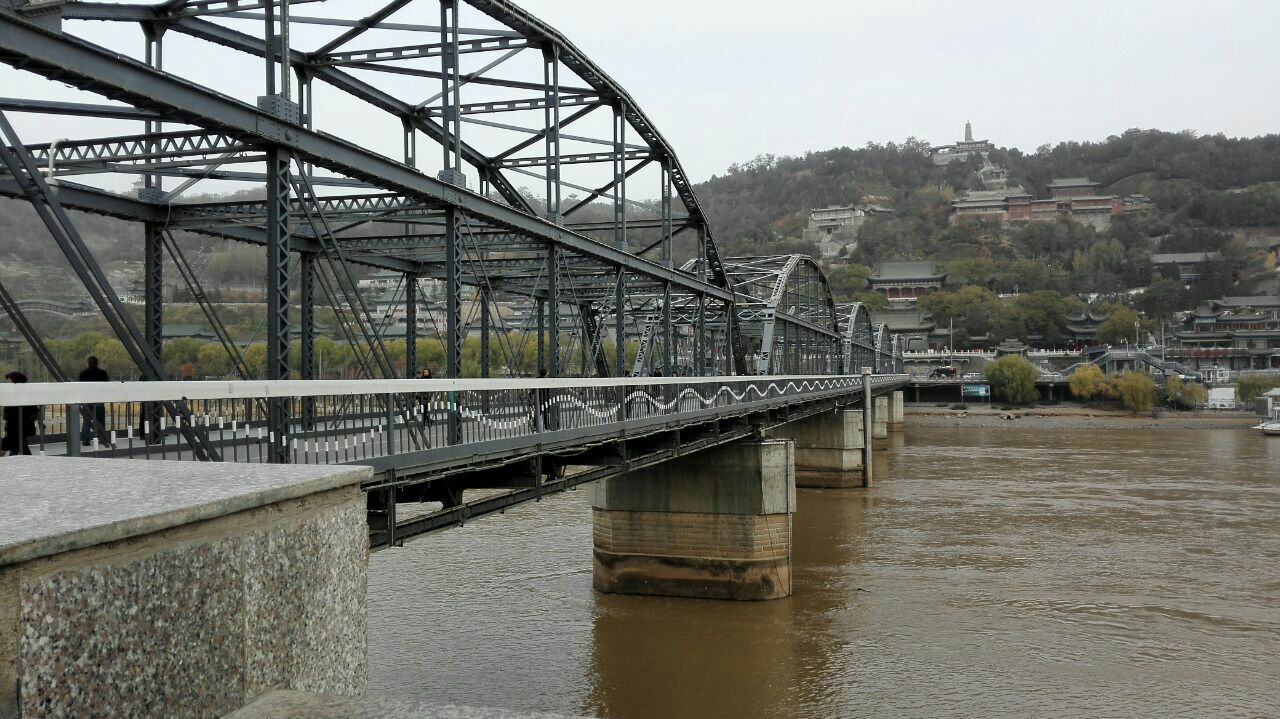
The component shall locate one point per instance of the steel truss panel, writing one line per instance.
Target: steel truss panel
(75, 62)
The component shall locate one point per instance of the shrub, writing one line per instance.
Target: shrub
(1251, 387)
(1087, 382)
(960, 406)
(1013, 379)
(1137, 391)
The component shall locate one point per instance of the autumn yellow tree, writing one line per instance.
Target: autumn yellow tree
(1086, 382)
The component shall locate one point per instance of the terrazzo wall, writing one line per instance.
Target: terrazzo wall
(194, 621)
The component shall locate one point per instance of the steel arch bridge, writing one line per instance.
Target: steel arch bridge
(386, 142)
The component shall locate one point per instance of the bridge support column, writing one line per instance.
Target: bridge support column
(828, 449)
(880, 425)
(713, 525)
(897, 418)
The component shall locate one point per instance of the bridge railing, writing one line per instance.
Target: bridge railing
(337, 421)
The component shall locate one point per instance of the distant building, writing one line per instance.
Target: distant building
(380, 281)
(962, 150)
(834, 229)
(1073, 197)
(195, 332)
(907, 280)
(1188, 264)
(1235, 333)
(1082, 326)
(916, 329)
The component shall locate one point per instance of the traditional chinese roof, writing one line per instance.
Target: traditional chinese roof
(1183, 258)
(1072, 182)
(1252, 301)
(178, 331)
(919, 270)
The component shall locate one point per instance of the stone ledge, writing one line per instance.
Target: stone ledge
(301, 705)
(52, 505)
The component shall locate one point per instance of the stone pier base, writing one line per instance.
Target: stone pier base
(828, 449)
(714, 525)
(897, 418)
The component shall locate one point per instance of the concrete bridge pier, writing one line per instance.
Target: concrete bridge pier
(880, 421)
(715, 524)
(897, 415)
(828, 449)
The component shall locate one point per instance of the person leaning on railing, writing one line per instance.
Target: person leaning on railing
(20, 422)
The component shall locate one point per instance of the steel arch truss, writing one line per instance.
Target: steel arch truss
(785, 314)
(340, 203)
(857, 338)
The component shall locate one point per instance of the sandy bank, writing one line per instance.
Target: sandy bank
(1070, 417)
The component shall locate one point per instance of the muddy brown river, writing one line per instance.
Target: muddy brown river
(997, 572)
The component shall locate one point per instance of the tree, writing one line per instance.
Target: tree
(847, 279)
(214, 360)
(1013, 379)
(1119, 326)
(1162, 298)
(1250, 387)
(255, 357)
(1137, 391)
(1087, 382)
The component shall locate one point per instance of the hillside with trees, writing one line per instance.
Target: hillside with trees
(1208, 194)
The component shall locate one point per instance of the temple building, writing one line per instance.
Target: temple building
(835, 229)
(962, 150)
(907, 280)
(1187, 264)
(1082, 327)
(1233, 333)
(916, 329)
(1077, 198)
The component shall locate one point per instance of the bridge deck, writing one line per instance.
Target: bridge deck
(432, 440)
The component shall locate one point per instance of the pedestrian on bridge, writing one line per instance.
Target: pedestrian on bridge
(19, 422)
(424, 400)
(93, 415)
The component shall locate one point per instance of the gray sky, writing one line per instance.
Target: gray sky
(726, 81)
(730, 80)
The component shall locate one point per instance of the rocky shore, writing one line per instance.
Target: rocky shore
(1070, 417)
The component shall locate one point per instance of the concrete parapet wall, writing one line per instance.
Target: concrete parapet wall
(715, 524)
(183, 606)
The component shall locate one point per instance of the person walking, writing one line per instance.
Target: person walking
(19, 422)
(93, 414)
(424, 400)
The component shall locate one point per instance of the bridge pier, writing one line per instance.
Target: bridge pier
(897, 417)
(828, 449)
(880, 419)
(715, 524)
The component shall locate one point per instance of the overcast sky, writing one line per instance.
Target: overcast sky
(725, 81)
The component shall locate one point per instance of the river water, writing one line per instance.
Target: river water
(998, 572)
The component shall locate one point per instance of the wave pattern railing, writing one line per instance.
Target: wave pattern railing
(350, 421)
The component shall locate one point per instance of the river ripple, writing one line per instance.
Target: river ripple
(992, 572)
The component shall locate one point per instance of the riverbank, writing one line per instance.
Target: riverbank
(1069, 416)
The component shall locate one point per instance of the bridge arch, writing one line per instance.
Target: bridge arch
(786, 315)
(883, 351)
(857, 344)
